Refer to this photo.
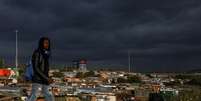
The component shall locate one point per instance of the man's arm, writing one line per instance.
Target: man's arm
(36, 65)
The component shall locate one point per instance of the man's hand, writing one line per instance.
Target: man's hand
(50, 80)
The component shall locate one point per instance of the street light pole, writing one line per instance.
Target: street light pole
(129, 62)
(16, 51)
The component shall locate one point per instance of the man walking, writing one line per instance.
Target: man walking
(40, 63)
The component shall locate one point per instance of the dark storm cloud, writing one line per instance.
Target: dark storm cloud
(161, 34)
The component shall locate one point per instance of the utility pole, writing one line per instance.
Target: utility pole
(129, 61)
(16, 51)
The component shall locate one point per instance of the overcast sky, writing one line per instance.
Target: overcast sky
(162, 35)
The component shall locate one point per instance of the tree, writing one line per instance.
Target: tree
(149, 75)
(89, 74)
(195, 81)
(58, 74)
(134, 79)
(80, 75)
(130, 79)
(121, 80)
(84, 75)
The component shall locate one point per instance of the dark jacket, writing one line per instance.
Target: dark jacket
(40, 67)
